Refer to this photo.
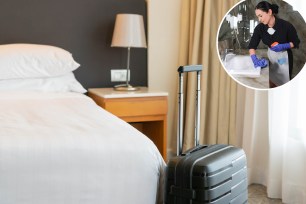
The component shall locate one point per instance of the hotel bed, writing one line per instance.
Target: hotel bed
(58, 146)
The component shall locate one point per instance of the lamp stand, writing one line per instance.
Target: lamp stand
(126, 86)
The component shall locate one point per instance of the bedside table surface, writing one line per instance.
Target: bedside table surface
(111, 93)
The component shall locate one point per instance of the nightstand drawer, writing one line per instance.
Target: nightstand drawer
(123, 107)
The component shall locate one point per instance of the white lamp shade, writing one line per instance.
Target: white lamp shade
(129, 31)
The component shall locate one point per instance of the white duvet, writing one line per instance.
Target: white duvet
(60, 148)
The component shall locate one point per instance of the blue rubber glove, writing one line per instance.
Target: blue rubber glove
(281, 47)
(259, 62)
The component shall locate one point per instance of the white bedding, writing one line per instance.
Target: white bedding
(61, 148)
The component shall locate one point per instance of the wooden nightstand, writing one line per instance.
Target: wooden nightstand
(145, 109)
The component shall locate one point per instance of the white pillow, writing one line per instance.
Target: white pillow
(32, 60)
(64, 83)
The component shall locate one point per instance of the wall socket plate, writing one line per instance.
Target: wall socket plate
(119, 75)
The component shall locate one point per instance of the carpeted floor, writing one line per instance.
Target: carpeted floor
(258, 195)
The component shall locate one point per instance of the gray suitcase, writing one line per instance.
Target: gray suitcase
(205, 173)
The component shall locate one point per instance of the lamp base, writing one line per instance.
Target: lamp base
(125, 87)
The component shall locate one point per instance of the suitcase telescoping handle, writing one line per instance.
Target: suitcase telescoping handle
(182, 70)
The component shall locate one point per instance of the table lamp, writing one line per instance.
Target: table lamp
(128, 33)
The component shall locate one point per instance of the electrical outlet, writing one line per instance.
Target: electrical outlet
(118, 75)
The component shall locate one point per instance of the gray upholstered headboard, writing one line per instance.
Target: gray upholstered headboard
(83, 27)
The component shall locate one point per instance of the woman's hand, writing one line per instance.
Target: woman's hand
(281, 47)
(259, 62)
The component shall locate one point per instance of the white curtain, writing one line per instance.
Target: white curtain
(287, 141)
(256, 135)
(274, 139)
(274, 135)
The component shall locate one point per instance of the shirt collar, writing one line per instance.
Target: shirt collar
(275, 24)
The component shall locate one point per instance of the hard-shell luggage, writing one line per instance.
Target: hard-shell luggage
(205, 173)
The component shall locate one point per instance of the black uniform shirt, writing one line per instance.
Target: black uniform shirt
(284, 33)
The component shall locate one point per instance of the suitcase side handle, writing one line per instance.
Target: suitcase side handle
(190, 68)
(194, 149)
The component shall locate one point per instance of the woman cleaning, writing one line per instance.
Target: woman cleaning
(280, 36)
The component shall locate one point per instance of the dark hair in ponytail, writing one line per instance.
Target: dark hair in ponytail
(265, 6)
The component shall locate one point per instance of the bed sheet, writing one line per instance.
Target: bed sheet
(62, 148)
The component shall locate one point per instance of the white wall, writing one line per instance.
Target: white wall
(163, 46)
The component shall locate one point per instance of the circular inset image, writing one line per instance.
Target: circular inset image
(261, 44)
